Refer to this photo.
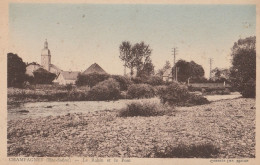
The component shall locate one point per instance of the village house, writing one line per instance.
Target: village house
(66, 77)
(167, 75)
(70, 77)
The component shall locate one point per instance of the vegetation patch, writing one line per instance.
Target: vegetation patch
(123, 81)
(187, 151)
(91, 79)
(106, 90)
(144, 109)
(140, 91)
(178, 94)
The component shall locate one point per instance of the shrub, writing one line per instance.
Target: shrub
(143, 109)
(185, 151)
(137, 80)
(106, 90)
(225, 91)
(42, 76)
(140, 91)
(68, 87)
(196, 100)
(155, 80)
(177, 94)
(91, 79)
(123, 81)
(159, 90)
(76, 95)
(174, 93)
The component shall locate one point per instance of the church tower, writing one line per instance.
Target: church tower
(46, 57)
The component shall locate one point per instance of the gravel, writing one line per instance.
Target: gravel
(228, 125)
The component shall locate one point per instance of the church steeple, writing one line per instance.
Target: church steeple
(45, 44)
(46, 57)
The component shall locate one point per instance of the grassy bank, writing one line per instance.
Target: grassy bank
(16, 95)
(225, 128)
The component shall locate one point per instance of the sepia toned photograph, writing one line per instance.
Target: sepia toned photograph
(131, 80)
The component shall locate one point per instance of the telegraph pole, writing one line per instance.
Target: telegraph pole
(174, 51)
(210, 66)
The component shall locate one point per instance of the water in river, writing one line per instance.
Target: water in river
(42, 109)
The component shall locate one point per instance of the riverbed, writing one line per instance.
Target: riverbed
(43, 109)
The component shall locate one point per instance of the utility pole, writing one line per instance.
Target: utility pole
(177, 68)
(210, 66)
(174, 51)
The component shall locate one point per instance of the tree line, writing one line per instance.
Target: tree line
(242, 74)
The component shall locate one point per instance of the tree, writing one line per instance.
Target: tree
(143, 63)
(42, 76)
(243, 70)
(220, 75)
(137, 57)
(166, 66)
(189, 70)
(125, 50)
(16, 69)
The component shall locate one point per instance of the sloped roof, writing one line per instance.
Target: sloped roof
(55, 67)
(33, 63)
(70, 75)
(168, 73)
(94, 68)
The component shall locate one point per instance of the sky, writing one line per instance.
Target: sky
(82, 34)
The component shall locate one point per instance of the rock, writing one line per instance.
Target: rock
(49, 106)
(23, 111)
(208, 109)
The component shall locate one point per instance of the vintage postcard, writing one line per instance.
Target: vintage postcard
(129, 82)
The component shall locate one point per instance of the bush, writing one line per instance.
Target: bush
(143, 109)
(42, 76)
(174, 93)
(123, 81)
(140, 91)
(137, 80)
(154, 80)
(225, 91)
(196, 100)
(68, 87)
(177, 94)
(159, 90)
(91, 79)
(185, 151)
(106, 90)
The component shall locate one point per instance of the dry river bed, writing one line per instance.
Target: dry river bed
(227, 124)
